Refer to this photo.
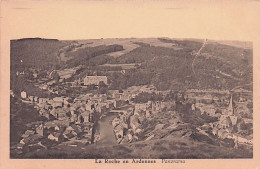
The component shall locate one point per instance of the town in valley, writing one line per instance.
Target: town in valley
(149, 98)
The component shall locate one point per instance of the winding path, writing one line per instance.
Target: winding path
(192, 65)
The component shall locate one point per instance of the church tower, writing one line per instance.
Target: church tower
(230, 110)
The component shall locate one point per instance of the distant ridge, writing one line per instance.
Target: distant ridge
(37, 38)
(239, 44)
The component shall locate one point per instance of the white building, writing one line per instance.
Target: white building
(94, 80)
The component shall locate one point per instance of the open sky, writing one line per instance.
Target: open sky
(61, 19)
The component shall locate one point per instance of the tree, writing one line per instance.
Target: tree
(243, 126)
(92, 87)
(102, 87)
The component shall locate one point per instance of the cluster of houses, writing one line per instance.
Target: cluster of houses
(74, 119)
(153, 107)
(228, 117)
(66, 118)
(129, 123)
(229, 121)
(70, 119)
(122, 127)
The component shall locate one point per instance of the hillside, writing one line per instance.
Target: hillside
(184, 148)
(165, 63)
(34, 52)
(217, 66)
(51, 53)
(90, 56)
(37, 55)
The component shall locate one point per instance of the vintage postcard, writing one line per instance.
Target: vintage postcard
(112, 84)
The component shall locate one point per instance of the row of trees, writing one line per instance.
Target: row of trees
(91, 55)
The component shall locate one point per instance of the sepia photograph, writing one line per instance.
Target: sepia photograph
(124, 84)
(131, 98)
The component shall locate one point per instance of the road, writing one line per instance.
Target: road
(192, 65)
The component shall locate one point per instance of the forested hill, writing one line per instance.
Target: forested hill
(51, 53)
(217, 66)
(165, 63)
(38, 55)
(34, 52)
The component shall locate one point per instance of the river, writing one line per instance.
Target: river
(105, 128)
